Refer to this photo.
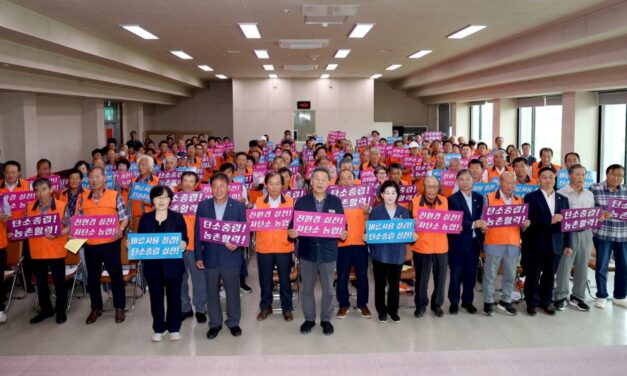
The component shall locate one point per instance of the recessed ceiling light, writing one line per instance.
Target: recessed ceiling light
(331, 66)
(262, 54)
(341, 54)
(139, 31)
(468, 30)
(221, 76)
(393, 67)
(419, 54)
(206, 68)
(232, 52)
(360, 30)
(181, 55)
(250, 30)
(324, 76)
(268, 67)
(273, 75)
(375, 76)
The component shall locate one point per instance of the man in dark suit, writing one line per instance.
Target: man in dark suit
(463, 252)
(220, 261)
(543, 243)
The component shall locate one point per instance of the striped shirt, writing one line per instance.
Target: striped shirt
(612, 229)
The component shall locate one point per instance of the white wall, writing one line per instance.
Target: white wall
(259, 107)
(396, 106)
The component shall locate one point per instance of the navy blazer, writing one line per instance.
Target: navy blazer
(217, 255)
(542, 236)
(316, 249)
(462, 242)
(174, 223)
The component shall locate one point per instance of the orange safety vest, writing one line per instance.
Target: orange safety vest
(64, 196)
(22, 186)
(494, 173)
(356, 223)
(42, 248)
(107, 205)
(430, 242)
(273, 241)
(535, 168)
(502, 235)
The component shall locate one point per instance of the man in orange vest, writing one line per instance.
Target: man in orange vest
(500, 165)
(102, 201)
(546, 154)
(502, 247)
(48, 252)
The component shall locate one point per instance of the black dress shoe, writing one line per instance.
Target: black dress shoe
(213, 332)
(201, 317)
(41, 316)
(245, 288)
(453, 309)
(187, 314)
(61, 318)
(93, 316)
(531, 311)
(120, 316)
(437, 311)
(236, 331)
(327, 328)
(469, 308)
(549, 310)
(419, 313)
(306, 327)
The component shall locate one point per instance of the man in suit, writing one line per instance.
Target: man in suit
(318, 256)
(464, 247)
(543, 242)
(220, 261)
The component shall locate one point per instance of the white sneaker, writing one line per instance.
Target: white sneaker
(175, 336)
(600, 303)
(156, 337)
(3, 317)
(621, 302)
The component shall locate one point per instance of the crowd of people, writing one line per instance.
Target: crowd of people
(405, 174)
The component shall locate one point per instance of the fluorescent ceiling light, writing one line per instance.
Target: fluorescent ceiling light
(375, 76)
(331, 66)
(341, 54)
(221, 76)
(206, 68)
(250, 30)
(273, 75)
(268, 67)
(324, 76)
(468, 30)
(181, 55)
(419, 54)
(393, 67)
(262, 54)
(360, 30)
(139, 31)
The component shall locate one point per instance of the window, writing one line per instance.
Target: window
(541, 126)
(481, 122)
(613, 136)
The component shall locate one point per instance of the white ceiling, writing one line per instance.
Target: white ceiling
(207, 29)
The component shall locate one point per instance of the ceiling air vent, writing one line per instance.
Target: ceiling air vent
(300, 67)
(303, 44)
(328, 14)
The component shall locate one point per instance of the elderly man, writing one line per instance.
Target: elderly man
(502, 248)
(499, 166)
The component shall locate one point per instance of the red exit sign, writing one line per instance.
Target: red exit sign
(303, 105)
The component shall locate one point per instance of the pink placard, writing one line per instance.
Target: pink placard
(448, 179)
(94, 226)
(269, 219)
(367, 177)
(125, 178)
(169, 178)
(296, 193)
(420, 171)
(356, 196)
(399, 153)
(411, 160)
(320, 225)
(441, 221)
(34, 227)
(221, 232)
(580, 219)
(432, 136)
(19, 200)
(464, 162)
(362, 143)
(407, 193)
(55, 180)
(236, 191)
(186, 202)
(259, 173)
(309, 170)
(617, 208)
(505, 215)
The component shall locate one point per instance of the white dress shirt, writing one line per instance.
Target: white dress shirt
(550, 200)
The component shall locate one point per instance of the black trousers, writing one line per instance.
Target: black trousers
(3, 266)
(463, 266)
(265, 266)
(109, 254)
(57, 269)
(424, 263)
(158, 284)
(390, 275)
(27, 263)
(539, 270)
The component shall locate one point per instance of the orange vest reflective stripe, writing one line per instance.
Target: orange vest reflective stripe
(356, 222)
(273, 241)
(107, 205)
(502, 235)
(430, 242)
(42, 248)
(137, 206)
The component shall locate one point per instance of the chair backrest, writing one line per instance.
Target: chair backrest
(14, 253)
(72, 258)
